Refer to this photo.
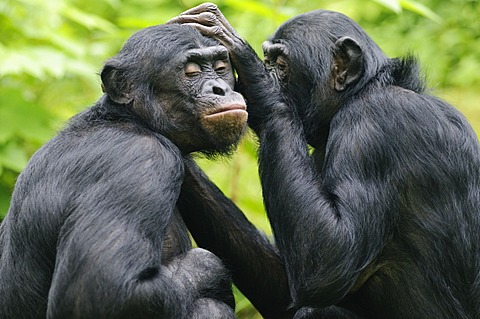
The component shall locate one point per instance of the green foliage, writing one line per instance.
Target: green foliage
(52, 50)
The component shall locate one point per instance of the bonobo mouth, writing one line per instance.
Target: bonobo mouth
(227, 109)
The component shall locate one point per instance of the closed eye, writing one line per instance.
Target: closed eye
(192, 69)
(221, 66)
(281, 62)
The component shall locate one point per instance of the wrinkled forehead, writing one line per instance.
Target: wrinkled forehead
(274, 48)
(216, 52)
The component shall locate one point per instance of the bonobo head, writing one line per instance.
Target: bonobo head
(178, 83)
(321, 58)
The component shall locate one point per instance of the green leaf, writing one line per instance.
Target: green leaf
(22, 118)
(4, 200)
(35, 61)
(69, 45)
(257, 8)
(421, 9)
(393, 5)
(41, 62)
(13, 157)
(134, 23)
(88, 20)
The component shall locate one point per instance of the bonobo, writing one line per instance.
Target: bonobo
(93, 230)
(383, 217)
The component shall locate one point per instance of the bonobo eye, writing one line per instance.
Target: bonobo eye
(281, 62)
(192, 69)
(220, 66)
(281, 67)
(266, 59)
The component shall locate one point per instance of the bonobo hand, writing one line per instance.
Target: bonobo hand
(259, 88)
(210, 21)
(201, 274)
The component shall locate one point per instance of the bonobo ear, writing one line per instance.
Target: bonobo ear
(348, 63)
(115, 83)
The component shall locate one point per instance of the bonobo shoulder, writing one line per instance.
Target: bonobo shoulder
(115, 125)
(120, 144)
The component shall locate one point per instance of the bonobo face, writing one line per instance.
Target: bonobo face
(276, 60)
(318, 59)
(180, 84)
(206, 81)
(291, 72)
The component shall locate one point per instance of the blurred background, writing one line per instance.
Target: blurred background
(51, 52)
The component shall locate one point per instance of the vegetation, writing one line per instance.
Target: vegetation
(52, 50)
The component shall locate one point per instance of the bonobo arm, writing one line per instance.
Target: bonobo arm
(254, 81)
(219, 226)
(329, 225)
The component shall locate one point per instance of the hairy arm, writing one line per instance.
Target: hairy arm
(330, 224)
(219, 226)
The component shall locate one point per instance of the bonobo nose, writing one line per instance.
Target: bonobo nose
(216, 87)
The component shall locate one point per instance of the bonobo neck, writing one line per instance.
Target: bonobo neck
(103, 112)
(106, 109)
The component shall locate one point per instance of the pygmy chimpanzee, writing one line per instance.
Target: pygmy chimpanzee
(383, 217)
(93, 230)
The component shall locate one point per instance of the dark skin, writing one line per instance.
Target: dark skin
(383, 218)
(93, 230)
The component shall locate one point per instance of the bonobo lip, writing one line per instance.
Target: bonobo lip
(234, 108)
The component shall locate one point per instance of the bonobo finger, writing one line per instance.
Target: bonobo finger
(213, 9)
(213, 32)
(204, 7)
(207, 8)
(205, 18)
(221, 18)
(208, 25)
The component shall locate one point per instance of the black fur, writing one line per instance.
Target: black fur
(93, 230)
(383, 218)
